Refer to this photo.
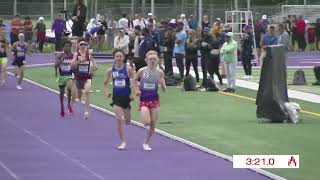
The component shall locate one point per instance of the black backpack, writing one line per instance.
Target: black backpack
(189, 83)
(211, 85)
(299, 78)
(171, 80)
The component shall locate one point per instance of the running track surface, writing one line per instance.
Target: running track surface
(294, 59)
(36, 144)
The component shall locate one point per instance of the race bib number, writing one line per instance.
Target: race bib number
(215, 51)
(84, 68)
(120, 83)
(66, 66)
(149, 86)
(1, 49)
(20, 53)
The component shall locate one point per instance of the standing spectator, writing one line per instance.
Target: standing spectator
(192, 53)
(179, 48)
(169, 41)
(318, 34)
(79, 17)
(258, 33)
(301, 29)
(101, 34)
(287, 24)
(136, 45)
(28, 27)
(123, 22)
(205, 22)
(111, 33)
(122, 42)
(193, 23)
(155, 36)
(217, 28)
(267, 40)
(146, 45)
(311, 34)
(247, 51)
(229, 51)
(264, 24)
(16, 27)
(130, 25)
(284, 37)
(139, 21)
(41, 33)
(58, 28)
(151, 20)
(185, 22)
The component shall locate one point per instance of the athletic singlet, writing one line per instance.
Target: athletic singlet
(20, 52)
(83, 69)
(3, 52)
(149, 85)
(121, 81)
(65, 66)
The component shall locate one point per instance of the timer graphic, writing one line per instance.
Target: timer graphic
(266, 161)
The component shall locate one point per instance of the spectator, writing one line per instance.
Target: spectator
(179, 48)
(130, 25)
(193, 23)
(229, 50)
(123, 22)
(58, 28)
(264, 24)
(168, 51)
(122, 42)
(111, 33)
(137, 60)
(217, 28)
(151, 20)
(270, 38)
(139, 21)
(101, 34)
(301, 29)
(205, 22)
(293, 33)
(79, 17)
(28, 27)
(185, 22)
(41, 33)
(192, 53)
(155, 36)
(146, 44)
(317, 33)
(311, 34)
(16, 28)
(247, 51)
(284, 37)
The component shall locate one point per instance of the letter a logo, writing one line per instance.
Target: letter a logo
(292, 162)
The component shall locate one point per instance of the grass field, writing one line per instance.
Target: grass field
(224, 123)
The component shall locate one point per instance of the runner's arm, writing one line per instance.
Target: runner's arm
(136, 82)
(57, 64)
(131, 76)
(107, 78)
(162, 82)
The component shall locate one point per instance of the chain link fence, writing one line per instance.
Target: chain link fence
(115, 10)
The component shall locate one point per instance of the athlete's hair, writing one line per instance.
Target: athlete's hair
(67, 42)
(152, 52)
(115, 50)
(82, 39)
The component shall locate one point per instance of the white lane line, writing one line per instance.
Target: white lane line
(9, 171)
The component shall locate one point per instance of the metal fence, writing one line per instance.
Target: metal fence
(161, 11)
